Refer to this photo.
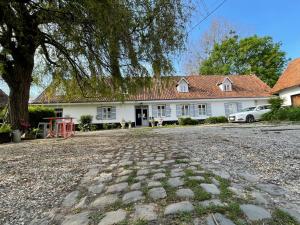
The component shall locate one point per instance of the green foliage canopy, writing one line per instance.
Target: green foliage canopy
(251, 55)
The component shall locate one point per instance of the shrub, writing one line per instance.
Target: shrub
(187, 121)
(85, 123)
(283, 114)
(5, 128)
(276, 103)
(37, 113)
(216, 119)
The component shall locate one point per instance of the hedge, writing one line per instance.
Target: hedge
(37, 113)
(283, 114)
(216, 119)
(187, 121)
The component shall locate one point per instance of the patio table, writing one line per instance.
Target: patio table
(61, 127)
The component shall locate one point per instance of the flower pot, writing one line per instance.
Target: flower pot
(5, 138)
(129, 125)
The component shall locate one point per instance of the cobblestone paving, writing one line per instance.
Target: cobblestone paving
(151, 180)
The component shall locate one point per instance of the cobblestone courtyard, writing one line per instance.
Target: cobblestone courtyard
(193, 175)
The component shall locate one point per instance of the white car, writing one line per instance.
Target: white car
(250, 114)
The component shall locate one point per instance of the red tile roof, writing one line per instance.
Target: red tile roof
(200, 87)
(289, 78)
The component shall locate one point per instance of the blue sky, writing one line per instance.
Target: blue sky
(276, 18)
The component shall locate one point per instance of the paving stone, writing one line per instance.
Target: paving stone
(249, 177)
(70, 199)
(135, 186)
(145, 212)
(117, 187)
(125, 172)
(157, 193)
(198, 178)
(272, 189)
(82, 203)
(104, 201)
(254, 213)
(104, 177)
(221, 173)
(143, 172)
(140, 178)
(154, 184)
(132, 196)
(179, 207)
(126, 163)
(185, 193)
(122, 179)
(175, 182)
(213, 202)
(259, 198)
(160, 170)
(155, 163)
(141, 163)
(113, 217)
(211, 188)
(168, 161)
(293, 213)
(215, 181)
(77, 219)
(96, 189)
(177, 174)
(221, 219)
(160, 158)
(158, 176)
(90, 175)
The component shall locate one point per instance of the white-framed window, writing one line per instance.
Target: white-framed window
(232, 108)
(185, 110)
(227, 87)
(161, 110)
(106, 112)
(58, 112)
(202, 108)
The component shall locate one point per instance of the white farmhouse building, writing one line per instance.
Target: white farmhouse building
(194, 96)
(288, 84)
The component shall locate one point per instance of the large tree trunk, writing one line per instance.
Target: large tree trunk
(19, 83)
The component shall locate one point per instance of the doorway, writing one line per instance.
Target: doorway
(141, 116)
(295, 100)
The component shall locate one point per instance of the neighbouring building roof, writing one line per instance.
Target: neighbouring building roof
(289, 78)
(3, 99)
(200, 87)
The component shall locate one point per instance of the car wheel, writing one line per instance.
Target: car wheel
(250, 119)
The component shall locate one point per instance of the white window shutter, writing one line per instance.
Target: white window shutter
(178, 110)
(154, 111)
(168, 111)
(99, 113)
(208, 109)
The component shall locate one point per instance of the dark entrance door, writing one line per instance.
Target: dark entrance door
(138, 117)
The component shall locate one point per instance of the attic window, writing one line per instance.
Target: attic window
(227, 87)
(183, 86)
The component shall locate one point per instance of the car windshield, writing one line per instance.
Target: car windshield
(248, 109)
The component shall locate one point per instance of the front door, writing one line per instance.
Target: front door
(296, 100)
(141, 116)
(138, 117)
(145, 117)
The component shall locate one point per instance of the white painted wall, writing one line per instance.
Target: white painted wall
(287, 93)
(127, 110)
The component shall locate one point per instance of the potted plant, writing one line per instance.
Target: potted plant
(152, 121)
(129, 124)
(5, 133)
(123, 123)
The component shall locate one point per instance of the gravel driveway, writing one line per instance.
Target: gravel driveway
(35, 176)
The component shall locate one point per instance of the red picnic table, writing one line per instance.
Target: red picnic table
(61, 126)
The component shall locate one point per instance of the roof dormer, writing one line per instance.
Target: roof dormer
(183, 85)
(226, 84)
